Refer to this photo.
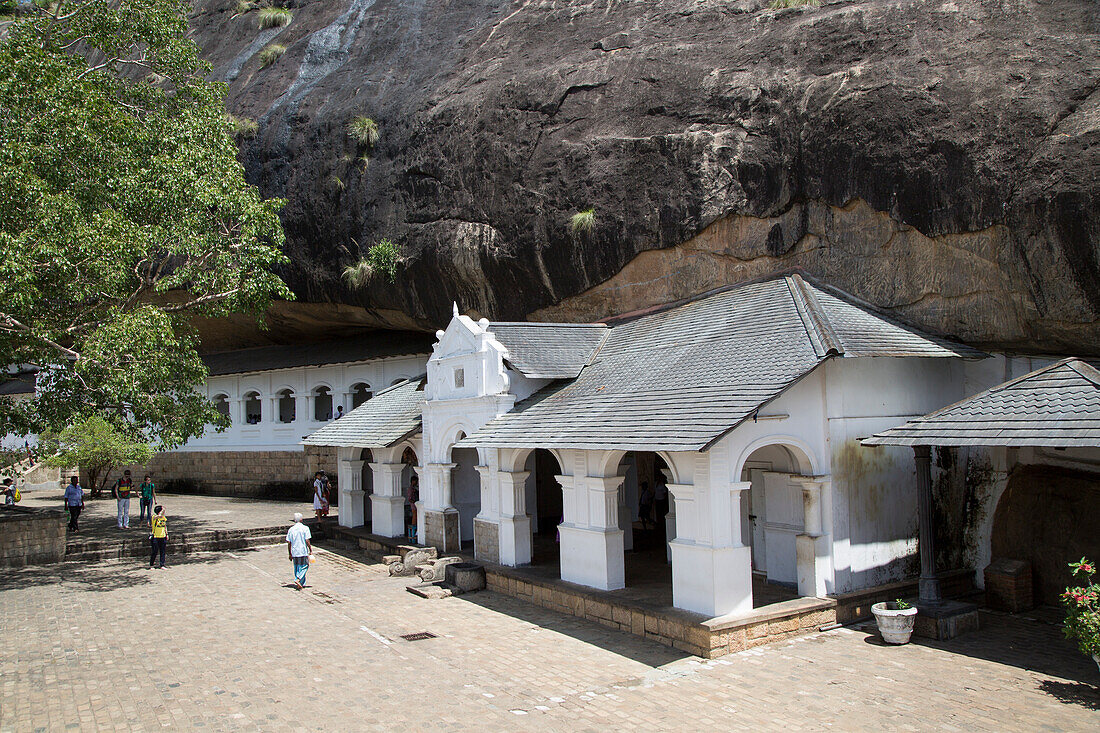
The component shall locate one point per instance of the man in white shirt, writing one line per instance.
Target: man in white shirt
(299, 549)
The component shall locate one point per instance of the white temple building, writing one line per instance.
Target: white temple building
(749, 402)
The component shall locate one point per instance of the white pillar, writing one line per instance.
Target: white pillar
(812, 547)
(301, 411)
(440, 522)
(592, 553)
(515, 523)
(625, 523)
(711, 577)
(388, 500)
(350, 480)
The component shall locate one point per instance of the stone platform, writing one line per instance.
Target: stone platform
(643, 609)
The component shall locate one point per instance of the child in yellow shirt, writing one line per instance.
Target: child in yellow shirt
(158, 540)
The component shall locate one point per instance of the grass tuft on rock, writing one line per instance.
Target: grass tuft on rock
(271, 54)
(364, 131)
(244, 128)
(381, 260)
(583, 221)
(781, 4)
(273, 18)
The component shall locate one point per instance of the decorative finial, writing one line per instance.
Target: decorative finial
(454, 310)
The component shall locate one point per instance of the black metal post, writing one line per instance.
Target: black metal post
(929, 583)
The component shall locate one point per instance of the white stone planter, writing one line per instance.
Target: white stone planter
(895, 625)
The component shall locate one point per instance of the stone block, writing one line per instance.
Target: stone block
(637, 623)
(596, 608)
(652, 624)
(620, 615)
(782, 625)
(756, 631)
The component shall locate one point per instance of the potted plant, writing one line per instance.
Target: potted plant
(1082, 604)
(895, 620)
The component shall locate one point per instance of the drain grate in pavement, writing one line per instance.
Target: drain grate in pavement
(418, 636)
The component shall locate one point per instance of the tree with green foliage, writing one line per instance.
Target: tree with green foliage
(124, 214)
(97, 448)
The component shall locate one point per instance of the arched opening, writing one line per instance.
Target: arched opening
(366, 483)
(465, 488)
(543, 498)
(399, 380)
(360, 393)
(221, 404)
(286, 409)
(410, 490)
(253, 408)
(322, 404)
(772, 517)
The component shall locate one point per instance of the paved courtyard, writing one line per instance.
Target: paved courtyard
(220, 642)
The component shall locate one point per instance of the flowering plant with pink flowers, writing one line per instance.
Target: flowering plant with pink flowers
(1082, 604)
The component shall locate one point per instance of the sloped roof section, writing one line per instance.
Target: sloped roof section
(1057, 406)
(549, 350)
(365, 347)
(21, 383)
(384, 420)
(680, 378)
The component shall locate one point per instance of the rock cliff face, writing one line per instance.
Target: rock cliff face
(939, 159)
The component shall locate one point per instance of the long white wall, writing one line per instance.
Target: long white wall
(270, 434)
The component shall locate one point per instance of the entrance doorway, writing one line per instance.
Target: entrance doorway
(772, 513)
(543, 497)
(465, 489)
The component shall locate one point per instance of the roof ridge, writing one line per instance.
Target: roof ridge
(814, 319)
(1076, 363)
(591, 324)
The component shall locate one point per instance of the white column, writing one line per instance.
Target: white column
(592, 553)
(515, 523)
(813, 545)
(301, 409)
(625, 524)
(710, 576)
(388, 500)
(350, 475)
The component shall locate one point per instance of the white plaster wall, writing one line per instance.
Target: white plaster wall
(874, 507)
(269, 435)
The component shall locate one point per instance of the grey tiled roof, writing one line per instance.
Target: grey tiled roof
(1056, 406)
(379, 345)
(384, 420)
(549, 350)
(682, 377)
(20, 383)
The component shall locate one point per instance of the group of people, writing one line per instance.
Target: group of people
(653, 502)
(152, 516)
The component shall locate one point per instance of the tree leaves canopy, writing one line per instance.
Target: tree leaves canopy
(123, 211)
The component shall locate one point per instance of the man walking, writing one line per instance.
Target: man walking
(74, 502)
(122, 489)
(8, 491)
(147, 499)
(299, 549)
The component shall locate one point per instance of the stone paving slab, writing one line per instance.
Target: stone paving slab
(186, 513)
(221, 642)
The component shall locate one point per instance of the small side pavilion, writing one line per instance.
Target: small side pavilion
(1055, 407)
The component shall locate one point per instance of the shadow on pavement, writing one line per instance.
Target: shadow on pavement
(1077, 693)
(649, 653)
(104, 576)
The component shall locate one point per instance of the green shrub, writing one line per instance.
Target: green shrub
(271, 54)
(244, 128)
(583, 221)
(780, 4)
(364, 131)
(273, 18)
(381, 260)
(244, 6)
(337, 183)
(8, 8)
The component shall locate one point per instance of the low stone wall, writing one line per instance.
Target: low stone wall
(856, 605)
(31, 536)
(252, 474)
(486, 541)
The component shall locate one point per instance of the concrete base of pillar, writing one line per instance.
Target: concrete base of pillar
(812, 565)
(946, 621)
(592, 557)
(351, 508)
(388, 516)
(515, 540)
(441, 530)
(711, 581)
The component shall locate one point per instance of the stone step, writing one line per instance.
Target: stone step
(182, 544)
